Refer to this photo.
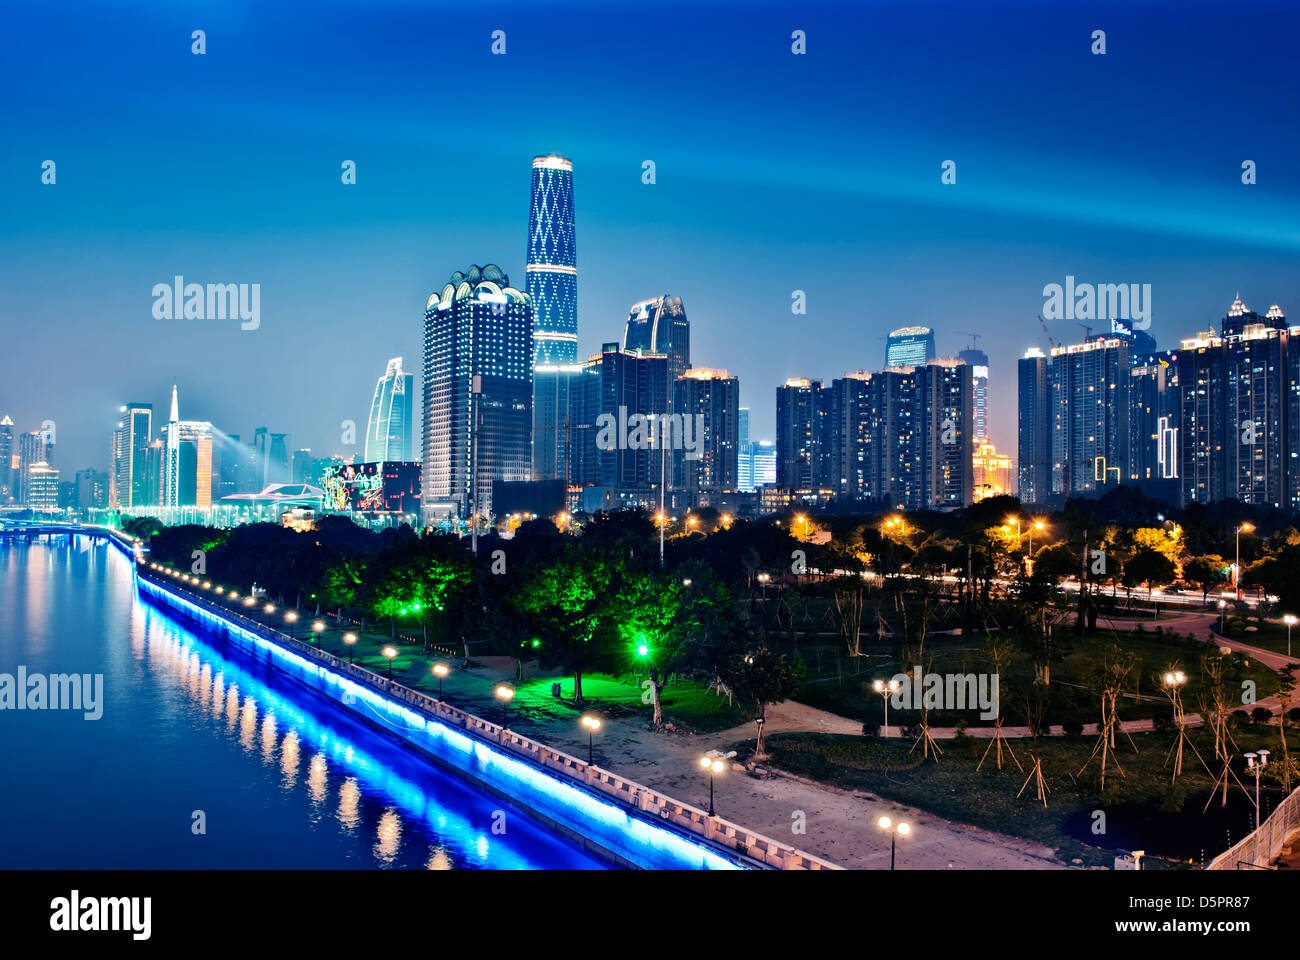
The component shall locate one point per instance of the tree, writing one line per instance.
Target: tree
(762, 677)
(571, 603)
(1206, 572)
(1148, 566)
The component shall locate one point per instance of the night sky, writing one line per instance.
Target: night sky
(775, 172)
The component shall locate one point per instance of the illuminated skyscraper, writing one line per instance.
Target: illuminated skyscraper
(477, 391)
(979, 362)
(388, 432)
(130, 477)
(909, 347)
(171, 471)
(711, 398)
(6, 458)
(34, 447)
(1035, 428)
(187, 460)
(659, 325)
(552, 284)
(552, 267)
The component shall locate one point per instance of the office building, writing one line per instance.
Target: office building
(1035, 428)
(130, 477)
(477, 391)
(909, 347)
(388, 429)
(659, 326)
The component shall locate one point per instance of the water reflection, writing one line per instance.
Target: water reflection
(340, 776)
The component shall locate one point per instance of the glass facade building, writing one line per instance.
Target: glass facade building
(552, 266)
(388, 431)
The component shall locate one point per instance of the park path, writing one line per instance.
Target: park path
(840, 825)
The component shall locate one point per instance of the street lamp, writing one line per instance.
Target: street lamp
(1236, 567)
(895, 830)
(885, 689)
(390, 652)
(1257, 762)
(505, 693)
(803, 519)
(292, 618)
(715, 766)
(351, 640)
(440, 670)
(317, 627)
(592, 723)
(1290, 621)
(1223, 606)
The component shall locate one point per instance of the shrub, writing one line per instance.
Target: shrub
(1261, 715)
(1072, 728)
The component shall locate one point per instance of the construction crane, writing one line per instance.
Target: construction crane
(974, 338)
(1087, 330)
(1050, 339)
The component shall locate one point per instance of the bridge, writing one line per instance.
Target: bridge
(28, 530)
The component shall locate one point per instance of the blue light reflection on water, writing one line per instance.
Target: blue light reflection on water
(283, 778)
(641, 842)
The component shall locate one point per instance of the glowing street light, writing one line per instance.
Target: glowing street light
(440, 670)
(1257, 762)
(317, 628)
(390, 653)
(351, 640)
(895, 830)
(269, 608)
(292, 618)
(1236, 567)
(505, 693)
(715, 766)
(1290, 620)
(885, 689)
(592, 723)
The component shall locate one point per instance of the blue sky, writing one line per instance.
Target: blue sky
(775, 172)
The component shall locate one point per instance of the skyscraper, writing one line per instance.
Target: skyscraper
(477, 391)
(659, 325)
(798, 446)
(35, 447)
(979, 363)
(909, 347)
(619, 384)
(712, 399)
(1090, 415)
(1035, 428)
(551, 275)
(6, 458)
(388, 431)
(947, 418)
(552, 267)
(129, 480)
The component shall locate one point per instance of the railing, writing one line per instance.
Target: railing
(627, 793)
(1259, 848)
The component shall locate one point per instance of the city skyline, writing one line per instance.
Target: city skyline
(817, 202)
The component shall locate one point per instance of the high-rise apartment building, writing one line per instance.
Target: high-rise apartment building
(1090, 415)
(979, 364)
(799, 414)
(1035, 428)
(710, 399)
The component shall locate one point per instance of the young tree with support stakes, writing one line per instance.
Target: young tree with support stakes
(762, 677)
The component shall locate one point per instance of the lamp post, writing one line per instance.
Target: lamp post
(291, 618)
(505, 693)
(351, 640)
(592, 723)
(885, 689)
(1236, 567)
(1257, 762)
(390, 653)
(318, 627)
(440, 670)
(1174, 680)
(895, 830)
(715, 766)
(1223, 606)
(1290, 621)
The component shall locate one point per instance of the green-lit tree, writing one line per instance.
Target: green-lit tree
(571, 602)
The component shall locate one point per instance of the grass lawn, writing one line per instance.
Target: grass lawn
(842, 684)
(1075, 821)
